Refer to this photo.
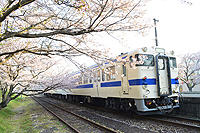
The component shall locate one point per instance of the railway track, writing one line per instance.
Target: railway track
(159, 123)
(89, 113)
(176, 121)
(172, 120)
(76, 122)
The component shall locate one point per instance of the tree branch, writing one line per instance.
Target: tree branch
(21, 3)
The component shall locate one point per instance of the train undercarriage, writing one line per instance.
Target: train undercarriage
(139, 106)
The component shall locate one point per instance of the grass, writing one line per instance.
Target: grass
(22, 115)
(8, 120)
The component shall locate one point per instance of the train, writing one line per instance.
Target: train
(143, 81)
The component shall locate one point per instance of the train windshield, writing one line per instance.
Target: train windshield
(173, 62)
(144, 60)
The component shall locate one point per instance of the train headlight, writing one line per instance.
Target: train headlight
(176, 101)
(174, 91)
(172, 52)
(149, 103)
(144, 49)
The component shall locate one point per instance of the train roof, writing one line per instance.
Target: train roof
(143, 50)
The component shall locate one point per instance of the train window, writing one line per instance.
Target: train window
(103, 75)
(124, 70)
(79, 80)
(144, 60)
(161, 64)
(85, 81)
(74, 80)
(111, 73)
(90, 78)
(95, 76)
(98, 76)
(173, 62)
(131, 61)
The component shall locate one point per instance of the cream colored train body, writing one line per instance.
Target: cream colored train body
(144, 80)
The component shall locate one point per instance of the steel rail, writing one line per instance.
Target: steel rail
(156, 119)
(183, 118)
(172, 122)
(86, 120)
(74, 129)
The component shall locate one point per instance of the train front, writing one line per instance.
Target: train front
(160, 85)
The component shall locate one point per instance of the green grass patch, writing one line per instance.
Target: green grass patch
(8, 116)
(23, 115)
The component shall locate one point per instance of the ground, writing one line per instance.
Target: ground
(30, 117)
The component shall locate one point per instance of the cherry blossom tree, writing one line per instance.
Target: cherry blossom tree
(32, 31)
(20, 73)
(62, 26)
(189, 69)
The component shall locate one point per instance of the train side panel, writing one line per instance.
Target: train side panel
(151, 85)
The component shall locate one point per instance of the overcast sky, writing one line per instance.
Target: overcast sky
(179, 24)
(178, 29)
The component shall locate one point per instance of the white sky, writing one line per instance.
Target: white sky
(178, 29)
(179, 24)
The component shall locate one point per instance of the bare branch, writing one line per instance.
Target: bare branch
(8, 10)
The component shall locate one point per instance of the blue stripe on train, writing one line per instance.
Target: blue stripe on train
(132, 82)
(111, 84)
(174, 81)
(83, 86)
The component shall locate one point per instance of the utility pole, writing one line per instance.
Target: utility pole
(156, 39)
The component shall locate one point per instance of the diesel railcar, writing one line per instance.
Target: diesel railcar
(144, 81)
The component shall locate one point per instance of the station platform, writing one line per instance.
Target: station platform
(191, 95)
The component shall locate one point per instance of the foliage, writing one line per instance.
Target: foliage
(62, 27)
(189, 69)
(34, 31)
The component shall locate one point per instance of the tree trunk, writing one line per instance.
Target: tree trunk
(5, 101)
(4, 104)
(190, 87)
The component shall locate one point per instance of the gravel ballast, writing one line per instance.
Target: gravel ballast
(123, 123)
(44, 122)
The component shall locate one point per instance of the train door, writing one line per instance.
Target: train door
(125, 86)
(163, 75)
(96, 83)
